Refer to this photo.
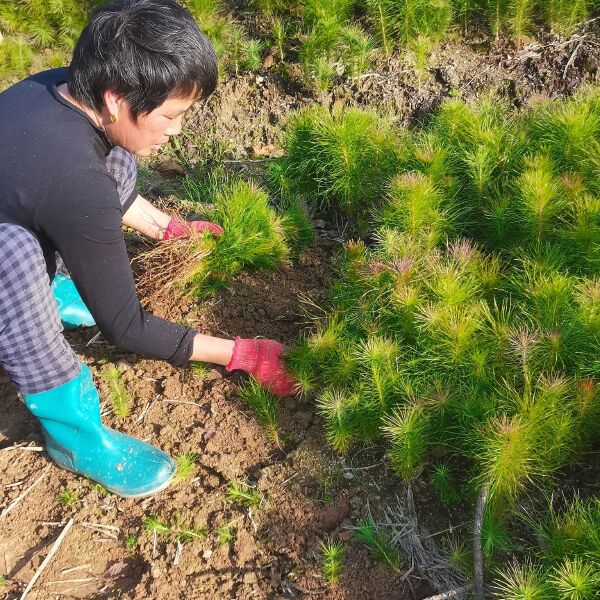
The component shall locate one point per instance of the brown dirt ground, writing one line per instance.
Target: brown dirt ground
(309, 496)
(275, 554)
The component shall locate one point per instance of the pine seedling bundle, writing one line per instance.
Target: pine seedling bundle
(253, 237)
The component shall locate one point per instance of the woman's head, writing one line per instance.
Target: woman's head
(141, 64)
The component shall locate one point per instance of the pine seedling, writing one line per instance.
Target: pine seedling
(119, 397)
(564, 16)
(68, 498)
(322, 72)
(549, 296)
(343, 159)
(494, 536)
(279, 36)
(382, 17)
(574, 531)
(131, 544)
(405, 22)
(414, 206)
(99, 488)
(332, 552)
(356, 50)
(378, 543)
(452, 286)
(183, 532)
(377, 357)
(341, 366)
(303, 365)
(520, 19)
(200, 369)
(264, 406)
(460, 555)
(226, 534)
(3, 581)
(154, 525)
(507, 457)
(541, 201)
(338, 410)
(443, 481)
(185, 466)
(252, 55)
(576, 579)
(253, 238)
(587, 297)
(407, 428)
(421, 49)
(318, 12)
(522, 582)
(298, 230)
(569, 132)
(587, 404)
(243, 494)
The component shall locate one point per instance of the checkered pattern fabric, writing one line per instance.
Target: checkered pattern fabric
(121, 165)
(32, 348)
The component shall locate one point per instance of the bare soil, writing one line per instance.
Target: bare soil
(310, 494)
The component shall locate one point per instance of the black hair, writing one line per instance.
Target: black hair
(143, 50)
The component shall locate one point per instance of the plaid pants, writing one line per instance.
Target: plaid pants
(33, 349)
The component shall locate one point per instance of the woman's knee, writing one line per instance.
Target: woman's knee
(20, 252)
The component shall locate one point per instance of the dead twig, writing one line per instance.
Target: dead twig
(178, 552)
(457, 593)
(48, 558)
(81, 580)
(479, 591)
(22, 447)
(15, 484)
(102, 529)
(18, 499)
(144, 412)
(180, 402)
(79, 568)
(572, 58)
(94, 339)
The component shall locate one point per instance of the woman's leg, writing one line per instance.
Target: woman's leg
(33, 349)
(56, 387)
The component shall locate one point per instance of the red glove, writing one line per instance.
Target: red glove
(262, 359)
(178, 229)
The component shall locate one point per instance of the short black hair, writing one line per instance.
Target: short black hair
(143, 50)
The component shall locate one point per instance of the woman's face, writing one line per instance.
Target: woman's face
(151, 130)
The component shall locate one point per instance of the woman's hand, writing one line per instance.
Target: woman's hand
(178, 229)
(262, 359)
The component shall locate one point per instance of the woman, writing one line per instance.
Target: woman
(68, 180)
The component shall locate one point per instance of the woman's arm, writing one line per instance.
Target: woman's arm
(212, 349)
(146, 218)
(149, 220)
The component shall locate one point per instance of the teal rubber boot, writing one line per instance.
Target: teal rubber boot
(76, 440)
(73, 311)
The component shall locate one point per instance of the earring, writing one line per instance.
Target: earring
(114, 118)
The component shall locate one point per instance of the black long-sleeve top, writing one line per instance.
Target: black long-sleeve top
(54, 182)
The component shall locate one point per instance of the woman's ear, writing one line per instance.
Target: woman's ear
(114, 104)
